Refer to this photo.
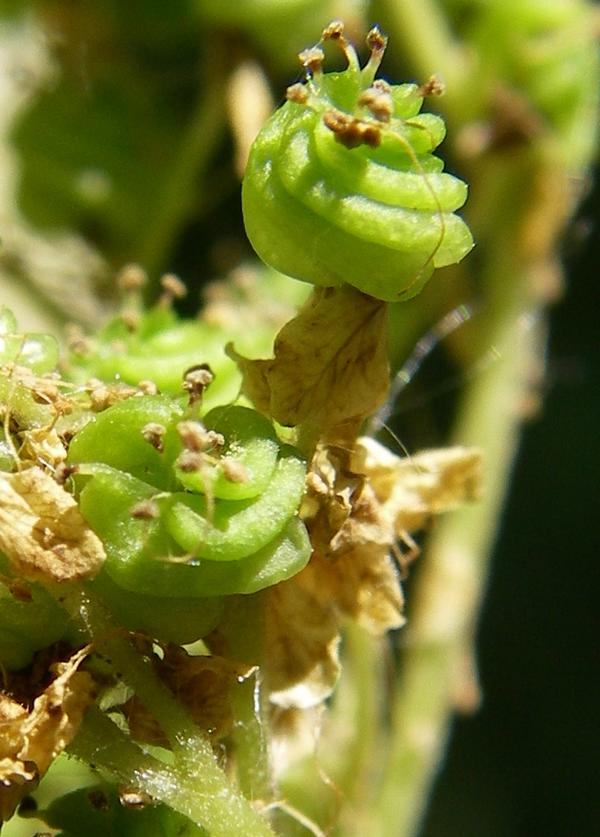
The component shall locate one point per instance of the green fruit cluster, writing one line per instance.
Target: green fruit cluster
(159, 347)
(189, 511)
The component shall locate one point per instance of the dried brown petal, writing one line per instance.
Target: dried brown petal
(42, 531)
(301, 642)
(330, 368)
(42, 445)
(414, 488)
(368, 587)
(357, 510)
(30, 740)
(354, 567)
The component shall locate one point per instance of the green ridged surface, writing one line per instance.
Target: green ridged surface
(378, 218)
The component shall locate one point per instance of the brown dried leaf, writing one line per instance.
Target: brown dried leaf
(355, 508)
(368, 588)
(356, 511)
(301, 642)
(30, 740)
(42, 531)
(255, 379)
(203, 684)
(353, 540)
(412, 489)
(330, 368)
(42, 445)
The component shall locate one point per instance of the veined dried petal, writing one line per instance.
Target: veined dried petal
(356, 511)
(42, 531)
(330, 367)
(30, 740)
(301, 642)
(414, 488)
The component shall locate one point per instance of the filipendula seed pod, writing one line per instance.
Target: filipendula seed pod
(342, 186)
(188, 509)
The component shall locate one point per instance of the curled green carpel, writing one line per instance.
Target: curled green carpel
(342, 185)
(188, 509)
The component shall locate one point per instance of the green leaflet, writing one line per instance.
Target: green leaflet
(238, 528)
(138, 551)
(250, 443)
(115, 438)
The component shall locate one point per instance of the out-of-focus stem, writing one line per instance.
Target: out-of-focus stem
(194, 153)
(244, 629)
(420, 32)
(364, 675)
(439, 643)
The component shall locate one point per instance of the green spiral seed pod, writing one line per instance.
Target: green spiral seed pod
(342, 185)
(187, 510)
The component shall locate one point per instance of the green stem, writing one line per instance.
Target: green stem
(137, 671)
(244, 628)
(211, 803)
(193, 156)
(439, 644)
(420, 32)
(360, 705)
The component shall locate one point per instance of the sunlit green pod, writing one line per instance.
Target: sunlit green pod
(341, 185)
(236, 529)
(142, 557)
(415, 225)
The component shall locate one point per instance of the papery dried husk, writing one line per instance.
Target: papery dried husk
(31, 739)
(357, 507)
(42, 531)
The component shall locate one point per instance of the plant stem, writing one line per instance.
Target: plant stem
(439, 643)
(211, 803)
(218, 807)
(244, 629)
(361, 710)
(421, 33)
(136, 670)
(193, 155)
